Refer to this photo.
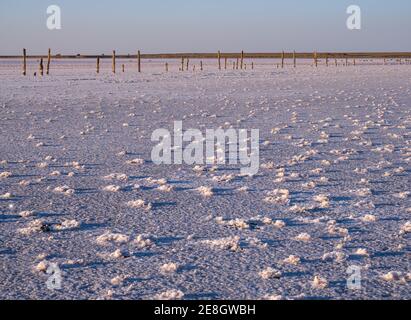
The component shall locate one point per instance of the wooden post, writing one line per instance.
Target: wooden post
(24, 62)
(182, 64)
(346, 62)
(233, 65)
(336, 63)
(122, 67)
(139, 61)
(295, 59)
(282, 59)
(166, 66)
(98, 65)
(385, 61)
(354, 62)
(242, 59)
(48, 62)
(113, 63)
(201, 65)
(219, 60)
(237, 64)
(252, 65)
(315, 59)
(326, 60)
(41, 68)
(188, 63)
(225, 63)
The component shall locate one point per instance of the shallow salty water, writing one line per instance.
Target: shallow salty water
(337, 139)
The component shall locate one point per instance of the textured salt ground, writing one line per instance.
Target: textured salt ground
(353, 106)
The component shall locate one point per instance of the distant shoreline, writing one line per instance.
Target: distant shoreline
(278, 55)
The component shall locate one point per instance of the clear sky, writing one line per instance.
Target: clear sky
(204, 26)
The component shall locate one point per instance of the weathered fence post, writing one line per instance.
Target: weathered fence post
(24, 62)
(201, 65)
(346, 62)
(48, 62)
(237, 64)
(122, 68)
(354, 62)
(166, 66)
(252, 65)
(182, 63)
(326, 60)
(336, 62)
(225, 63)
(219, 60)
(41, 68)
(282, 59)
(233, 65)
(316, 59)
(139, 61)
(294, 59)
(98, 65)
(113, 63)
(242, 59)
(188, 63)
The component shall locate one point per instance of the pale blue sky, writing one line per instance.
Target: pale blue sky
(204, 26)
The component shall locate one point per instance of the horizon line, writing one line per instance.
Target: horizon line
(212, 55)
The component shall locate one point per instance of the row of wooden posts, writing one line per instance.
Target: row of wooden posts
(238, 64)
(113, 64)
(185, 62)
(41, 66)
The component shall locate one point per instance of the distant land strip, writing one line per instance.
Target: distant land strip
(287, 55)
